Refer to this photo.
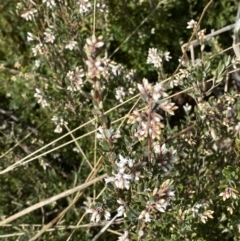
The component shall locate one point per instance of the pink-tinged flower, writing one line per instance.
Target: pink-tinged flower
(228, 193)
(94, 68)
(93, 44)
(206, 215)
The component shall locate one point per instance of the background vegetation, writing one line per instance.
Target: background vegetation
(32, 170)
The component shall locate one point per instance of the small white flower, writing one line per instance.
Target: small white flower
(167, 56)
(49, 35)
(84, 6)
(71, 45)
(154, 58)
(41, 98)
(38, 49)
(108, 133)
(145, 215)
(37, 63)
(97, 213)
(124, 237)
(120, 93)
(29, 15)
(76, 79)
(187, 108)
(59, 122)
(192, 24)
(130, 91)
(121, 209)
(207, 214)
(31, 37)
(121, 179)
(161, 205)
(49, 3)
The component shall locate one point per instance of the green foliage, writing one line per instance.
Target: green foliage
(73, 109)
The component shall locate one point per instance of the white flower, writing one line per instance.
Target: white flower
(158, 92)
(192, 24)
(187, 108)
(49, 3)
(121, 179)
(207, 214)
(29, 15)
(108, 133)
(167, 56)
(84, 6)
(30, 37)
(154, 58)
(38, 49)
(102, 8)
(130, 91)
(120, 93)
(37, 63)
(161, 205)
(75, 78)
(41, 98)
(124, 237)
(121, 209)
(49, 35)
(98, 213)
(145, 215)
(71, 45)
(59, 122)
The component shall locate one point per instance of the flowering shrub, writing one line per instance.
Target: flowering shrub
(109, 137)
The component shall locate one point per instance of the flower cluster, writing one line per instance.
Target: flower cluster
(156, 59)
(160, 199)
(228, 193)
(76, 79)
(145, 128)
(84, 6)
(124, 237)
(59, 122)
(155, 92)
(122, 177)
(41, 98)
(71, 45)
(192, 24)
(49, 3)
(49, 35)
(107, 134)
(98, 212)
(206, 215)
(164, 157)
